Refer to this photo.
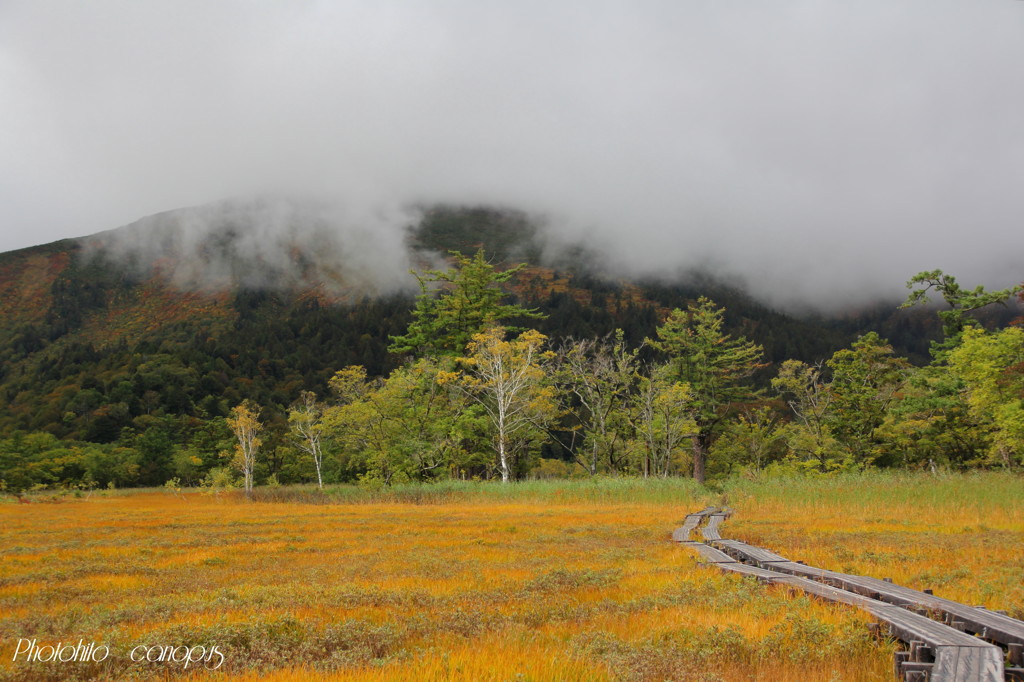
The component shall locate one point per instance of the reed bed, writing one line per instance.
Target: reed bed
(961, 535)
(544, 580)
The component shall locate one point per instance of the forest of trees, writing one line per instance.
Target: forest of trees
(474, 386)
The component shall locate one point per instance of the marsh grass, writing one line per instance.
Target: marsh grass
(546, 580)
(597, 489)
(959, 534)
(998, 496)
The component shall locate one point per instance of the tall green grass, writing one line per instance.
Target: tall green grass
(985, 493)
(597, 490)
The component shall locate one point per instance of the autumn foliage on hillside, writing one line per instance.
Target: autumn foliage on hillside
(112, 374)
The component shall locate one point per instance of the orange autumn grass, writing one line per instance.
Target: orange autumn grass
(959, 535)
(559, 586)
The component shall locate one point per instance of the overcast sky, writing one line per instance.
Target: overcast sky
(816, 147)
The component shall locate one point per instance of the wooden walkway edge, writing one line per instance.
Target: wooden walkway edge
(962, 646)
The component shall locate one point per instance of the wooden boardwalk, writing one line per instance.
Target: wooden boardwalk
(690, 523)
(947, 641)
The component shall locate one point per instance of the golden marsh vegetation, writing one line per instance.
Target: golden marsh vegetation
(535, 581)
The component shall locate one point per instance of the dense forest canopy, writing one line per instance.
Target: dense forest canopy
(112, 375)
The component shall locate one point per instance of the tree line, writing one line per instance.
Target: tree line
(478, 392)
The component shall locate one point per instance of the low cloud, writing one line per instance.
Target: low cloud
(267, 242)
(822, 152)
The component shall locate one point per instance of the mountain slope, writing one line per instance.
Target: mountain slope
(177, 316)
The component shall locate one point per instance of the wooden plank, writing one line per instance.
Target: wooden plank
(710, 534)
(762, 574)
(987, 624)
(958, 654)
(825, 592)
(724, 562)
(690, 523)
(991, 625)
(707, 511)
(682, 533)
(710, 531)
(909, 626)
(805, 571)
(712, 555)
(968, 663)
(757, 555)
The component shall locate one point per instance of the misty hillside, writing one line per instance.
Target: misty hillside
(189, 312)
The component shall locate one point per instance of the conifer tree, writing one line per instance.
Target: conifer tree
(961, 302)
(455, 304)
(713, 364)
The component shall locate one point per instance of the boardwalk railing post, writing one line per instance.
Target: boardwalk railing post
(898, 659)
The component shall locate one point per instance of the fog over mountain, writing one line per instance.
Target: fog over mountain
(821, 151)
(269, 242)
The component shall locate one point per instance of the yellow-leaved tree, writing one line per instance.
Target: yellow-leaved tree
(509, 380)
(306, 420)
(245, 423)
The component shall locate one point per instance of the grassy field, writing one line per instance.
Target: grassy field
(470, 581)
